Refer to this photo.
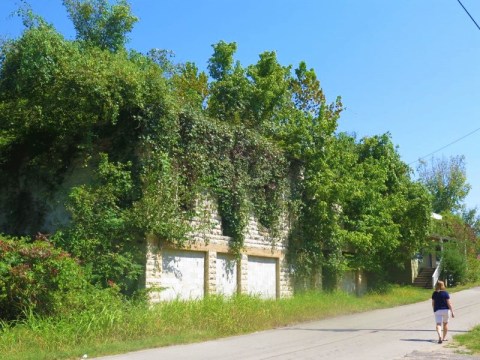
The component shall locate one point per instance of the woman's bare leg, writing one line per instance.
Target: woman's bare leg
(439, 332)
(445, 330)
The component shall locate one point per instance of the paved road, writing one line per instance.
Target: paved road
(405, 332)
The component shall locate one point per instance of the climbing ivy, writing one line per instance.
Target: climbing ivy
(155, 135)
(244, 171)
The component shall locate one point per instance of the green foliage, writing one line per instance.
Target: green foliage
(190, 86)
(270, 96)
(453, 227)
(36, 277)
(471, 217)
(61, 102)
(221, 62)
(454, 266)
(447, 182)
(256, 97)
(230, 90)
(308, 96)
(243, 170)
(160, 210)
(100, 24)
(101, 234)
(460, 249)
(29, 18)
(361, 210)
(260, 139)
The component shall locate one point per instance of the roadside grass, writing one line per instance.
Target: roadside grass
(470, 340)
(126, 326)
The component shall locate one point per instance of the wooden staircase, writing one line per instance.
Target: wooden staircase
(424, 278)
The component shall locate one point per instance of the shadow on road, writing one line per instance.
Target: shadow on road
(371, 330)
(419, 340)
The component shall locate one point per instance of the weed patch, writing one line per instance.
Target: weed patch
(108, 327)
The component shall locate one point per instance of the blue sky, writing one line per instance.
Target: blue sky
(410, 67)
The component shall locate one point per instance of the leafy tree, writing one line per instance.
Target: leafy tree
(460, 249)
(256, 97)
(221, 63)
(471, 217)
(394, 210)
(57, 99)
(190, 86)
(270, 96)
(362, 211)
(167, 133)
(266, 97)
(229, 92)
(355, 204)
(446, 180)
(308, 96)
(100, 24)
(308, 122)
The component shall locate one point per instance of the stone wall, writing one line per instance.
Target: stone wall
(261, 269)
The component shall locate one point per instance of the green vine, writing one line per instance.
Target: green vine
(245, 172)
(156, 136)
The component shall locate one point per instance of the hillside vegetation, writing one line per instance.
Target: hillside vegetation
(122, 143)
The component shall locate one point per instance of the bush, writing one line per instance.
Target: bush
(35, 277)
(454, 267)
(473, 268)
(101, 233)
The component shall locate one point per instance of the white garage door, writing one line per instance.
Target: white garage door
(182, 275)
(226, 274)
(262, 275)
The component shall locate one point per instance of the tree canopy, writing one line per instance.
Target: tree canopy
(446, 180)
(100, 24)
(151, 136)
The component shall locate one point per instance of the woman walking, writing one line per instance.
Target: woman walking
(442, 308)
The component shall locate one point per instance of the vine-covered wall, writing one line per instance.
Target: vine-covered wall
(167, 280)
(152, 135)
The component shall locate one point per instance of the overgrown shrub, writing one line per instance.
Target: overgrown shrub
(473, 269)
(35, 277)
(261, 139)
(454, 267)
(101, 233)
(459, 264)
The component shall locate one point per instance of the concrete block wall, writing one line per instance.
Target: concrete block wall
(285, 279)
(243, 274)
(153, 269)
(211, 272)
(208, 239)
(354, 282)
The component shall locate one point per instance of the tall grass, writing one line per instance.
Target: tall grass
(120, 326)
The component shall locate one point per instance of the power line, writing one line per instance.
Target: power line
(443, 147)
(469, 14)
(470, 133)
